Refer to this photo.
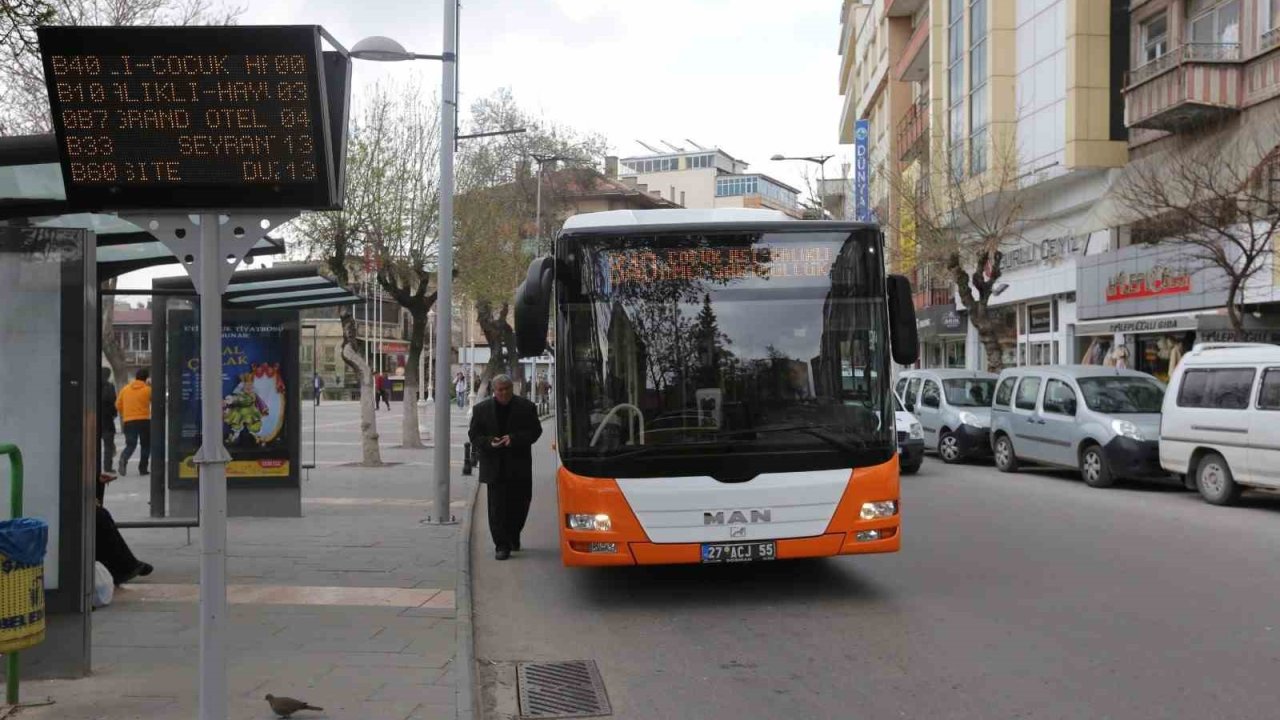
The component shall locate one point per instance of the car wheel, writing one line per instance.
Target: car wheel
(949, 447)
(1006, 460)
(1215, 481)
(1094, 468)
(910, 469)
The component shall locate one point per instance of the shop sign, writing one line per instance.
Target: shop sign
(951, 320)
(1159, 281)
(1142, 325)
(1043, 252)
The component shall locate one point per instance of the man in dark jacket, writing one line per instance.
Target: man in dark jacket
(107, 421)
(503, 431)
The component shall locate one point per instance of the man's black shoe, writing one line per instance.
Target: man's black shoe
(501, 554)
(144, 472)
(145, 569)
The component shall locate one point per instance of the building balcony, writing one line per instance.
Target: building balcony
(1193, 84)
(934, 297)
(1269, 39)
(913, 66)
(902, 8)
(913, 131)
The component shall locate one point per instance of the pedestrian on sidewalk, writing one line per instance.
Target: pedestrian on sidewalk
(317, 383)
(107, 422)
(503, 429)
(382, 395)
(460, 389)
(110, 549)
(134, 405)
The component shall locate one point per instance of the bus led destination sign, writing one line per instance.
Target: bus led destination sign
(190, 117)
(644, 267)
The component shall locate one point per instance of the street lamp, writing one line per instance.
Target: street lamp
(541, 160)
(384, 49)
(821, 162)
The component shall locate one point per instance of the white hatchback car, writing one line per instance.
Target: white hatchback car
(1220, 425)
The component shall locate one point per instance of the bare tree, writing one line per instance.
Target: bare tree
(497, 208)
(25, 109)
(401, 131)
(953, 222)
(1214, 195)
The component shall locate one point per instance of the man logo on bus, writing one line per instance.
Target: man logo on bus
(738, 517)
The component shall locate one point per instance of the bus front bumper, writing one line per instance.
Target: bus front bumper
(626, 543)
(579, 554)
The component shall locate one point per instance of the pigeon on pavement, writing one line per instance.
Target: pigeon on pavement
(287, 706)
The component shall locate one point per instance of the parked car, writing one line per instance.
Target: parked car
(1220, 428)
(954, 408)
(1104, 421)
(910, 439)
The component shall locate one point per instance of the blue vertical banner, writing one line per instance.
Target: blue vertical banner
(862, 205)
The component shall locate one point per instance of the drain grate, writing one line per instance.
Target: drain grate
(561, 690)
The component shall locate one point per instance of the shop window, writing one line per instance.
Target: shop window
(1269, 392)
(1219, 388)
(1040, 318)
(1028, 390)
(1005, 393)
(955, 354)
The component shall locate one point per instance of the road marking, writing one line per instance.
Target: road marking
(395, 502)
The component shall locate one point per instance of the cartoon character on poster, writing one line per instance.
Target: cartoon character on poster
(254, 411)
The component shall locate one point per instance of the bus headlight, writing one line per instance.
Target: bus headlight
(587, 521)
(877, 510)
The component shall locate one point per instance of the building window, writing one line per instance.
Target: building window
(1155, 38)
(955, 84)
(701, 161)
(1214, 22)
(1273, 15)
(978, 47)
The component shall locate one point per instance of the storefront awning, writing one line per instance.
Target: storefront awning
(276, 288)
(1169, 322)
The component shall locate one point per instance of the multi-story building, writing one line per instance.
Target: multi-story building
(1201, 85)
(1024, 88)
(707, 178)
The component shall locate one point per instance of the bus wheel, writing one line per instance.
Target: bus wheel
(1213, 478)
(1094, 468)
(1006, 461)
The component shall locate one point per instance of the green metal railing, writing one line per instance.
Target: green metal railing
(15, 511)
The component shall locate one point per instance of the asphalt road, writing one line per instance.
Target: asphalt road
(1014, 596)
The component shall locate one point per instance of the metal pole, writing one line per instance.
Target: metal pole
(538, 211)
(212, 460)
(448, 119)
(12, 690)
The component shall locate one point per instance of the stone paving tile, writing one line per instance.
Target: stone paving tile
(379, 645)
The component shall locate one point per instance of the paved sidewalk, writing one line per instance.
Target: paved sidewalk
(351, 607)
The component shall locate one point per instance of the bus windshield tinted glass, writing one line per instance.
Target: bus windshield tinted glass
(723, 343)
(1122, 394)
(969, 392)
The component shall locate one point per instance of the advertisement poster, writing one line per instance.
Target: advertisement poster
(253, 401)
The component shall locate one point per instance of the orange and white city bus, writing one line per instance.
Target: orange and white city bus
(722, 385)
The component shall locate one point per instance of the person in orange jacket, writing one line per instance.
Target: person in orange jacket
(134, 405)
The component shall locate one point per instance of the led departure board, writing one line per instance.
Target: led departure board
(190, 117)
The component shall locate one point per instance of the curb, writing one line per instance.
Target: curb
(465, 686)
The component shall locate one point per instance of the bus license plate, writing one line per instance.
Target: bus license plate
(739, 552)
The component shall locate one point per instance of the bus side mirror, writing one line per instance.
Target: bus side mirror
(533, 308)
(903, 339)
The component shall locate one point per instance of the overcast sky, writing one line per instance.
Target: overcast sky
(753, 77)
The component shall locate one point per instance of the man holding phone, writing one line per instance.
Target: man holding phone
(503, 429)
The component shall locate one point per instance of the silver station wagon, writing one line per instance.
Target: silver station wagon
(954, 409)
(1104, 421)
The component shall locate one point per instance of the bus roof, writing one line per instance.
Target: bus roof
(637, 218)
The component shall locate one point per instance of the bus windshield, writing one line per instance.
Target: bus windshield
(717, 344)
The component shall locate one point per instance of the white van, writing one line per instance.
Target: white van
(1220, 424)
